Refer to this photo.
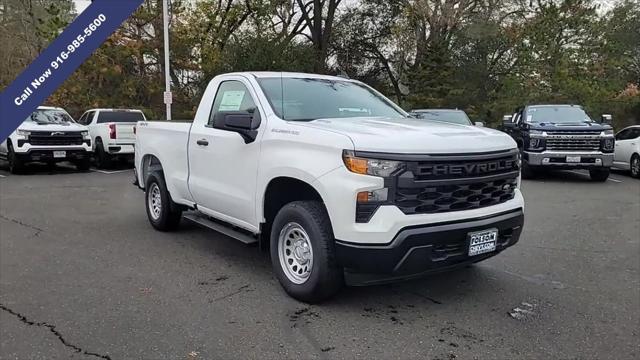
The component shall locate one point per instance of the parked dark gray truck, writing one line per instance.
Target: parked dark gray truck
(561, 137)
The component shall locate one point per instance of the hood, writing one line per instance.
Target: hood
(578, 126)
(415, 136)
(33, 126)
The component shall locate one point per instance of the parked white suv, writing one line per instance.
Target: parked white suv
(627, 153)
(48, 135)
(336, 179)
(112, 133)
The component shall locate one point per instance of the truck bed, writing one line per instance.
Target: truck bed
(167, 140)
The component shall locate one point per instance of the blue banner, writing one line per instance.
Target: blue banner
(65, 54)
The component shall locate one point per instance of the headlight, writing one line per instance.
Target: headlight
(23, 132)
(366, 166)
(609, 144)
(536, 132)
(607, 133)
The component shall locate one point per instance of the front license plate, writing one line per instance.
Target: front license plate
(59, 154)
(481, 242)
(573, 159)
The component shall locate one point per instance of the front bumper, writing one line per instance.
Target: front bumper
(558, 159)
(424, 249)
(47, 155)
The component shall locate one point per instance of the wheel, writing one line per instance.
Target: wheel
(163, 213)
(16, 165)
(527, 171)
(303, 252)
(83, 165)
(599, 174)
(103, 159)
(635, 166)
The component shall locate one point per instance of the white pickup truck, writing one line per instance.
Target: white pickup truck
(112, 133)
(48, 135)
(338, 181)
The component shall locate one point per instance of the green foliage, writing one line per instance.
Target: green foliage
(486, 57)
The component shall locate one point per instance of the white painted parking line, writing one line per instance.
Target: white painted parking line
(583, 174)
(2, 175)
(110, 172)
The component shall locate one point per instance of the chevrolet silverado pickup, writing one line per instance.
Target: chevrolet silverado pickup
(561, 137)
(48, 135)
(112, 133)
(336, 180)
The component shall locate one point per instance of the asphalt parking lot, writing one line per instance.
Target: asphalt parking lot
(84, 276)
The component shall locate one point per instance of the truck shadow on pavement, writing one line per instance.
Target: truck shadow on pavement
(60, 168)
(563, 176)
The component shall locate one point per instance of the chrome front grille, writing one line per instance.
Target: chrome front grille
(573, 143)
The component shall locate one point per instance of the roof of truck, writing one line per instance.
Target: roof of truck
(277, 74)
(49, 108)
(129, 110)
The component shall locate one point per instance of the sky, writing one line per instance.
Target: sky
(81, 5)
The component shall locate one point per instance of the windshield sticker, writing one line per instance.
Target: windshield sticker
(529, 117)
(231, 100)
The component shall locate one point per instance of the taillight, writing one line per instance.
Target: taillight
(112, 131)
(134, 129)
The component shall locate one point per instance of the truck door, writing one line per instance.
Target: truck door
(223, 168)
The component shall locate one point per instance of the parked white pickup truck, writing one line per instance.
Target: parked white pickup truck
(335, 178)
(48, 135)
(112, 133)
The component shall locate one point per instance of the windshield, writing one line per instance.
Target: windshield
(453, 116)
(50, 116)
(120, 117)
(556, 115)
(310, 99)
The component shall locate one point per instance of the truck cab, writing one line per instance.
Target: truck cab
(337, 181)
(112, 133)
(561, 137)
(48, 135)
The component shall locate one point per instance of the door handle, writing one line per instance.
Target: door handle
(202, 142)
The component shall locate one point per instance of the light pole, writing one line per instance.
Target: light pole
(168, 97)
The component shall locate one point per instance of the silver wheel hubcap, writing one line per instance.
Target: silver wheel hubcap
(635, 166)
(295, 253)
(155, 201)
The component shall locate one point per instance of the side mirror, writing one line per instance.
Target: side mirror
(606, 119)
(507, 124)
(238, 121)
(244, 123)
(479, 124)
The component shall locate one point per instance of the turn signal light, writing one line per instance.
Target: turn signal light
(356, 165)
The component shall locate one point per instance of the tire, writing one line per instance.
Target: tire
(83, 165)
(527, 171)
(163, 213)
(599, 175)
(16, 165)
(103, 159)
(308, 224)
(634, 164)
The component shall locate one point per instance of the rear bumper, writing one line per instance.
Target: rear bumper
(420, 250)
(558, 159)
(121, 149)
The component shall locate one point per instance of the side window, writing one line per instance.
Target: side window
(635, 133)
(89, 117)
(623, 135)
(82, 119)
(232, 96)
